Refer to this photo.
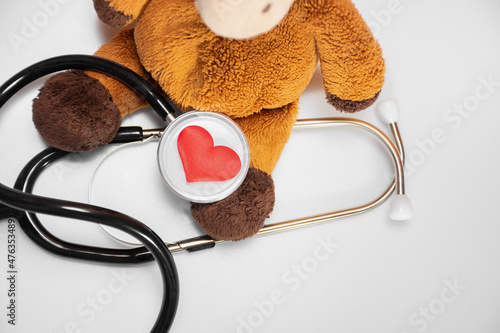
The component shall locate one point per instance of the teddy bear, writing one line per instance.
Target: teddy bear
(247, 59)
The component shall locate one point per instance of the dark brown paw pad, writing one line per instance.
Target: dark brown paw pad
(350, 106)
(75, 112)
(240, 215)
(110, 16)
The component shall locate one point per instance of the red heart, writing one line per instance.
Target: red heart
(202, 161)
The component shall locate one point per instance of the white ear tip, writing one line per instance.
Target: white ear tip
(388, 110)
(401, 208)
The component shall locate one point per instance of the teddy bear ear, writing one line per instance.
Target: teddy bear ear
(119, 13)
(242, 19)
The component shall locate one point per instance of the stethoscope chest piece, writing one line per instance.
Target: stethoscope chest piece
(203, 156)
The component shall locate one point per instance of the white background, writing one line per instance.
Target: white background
(382, 276)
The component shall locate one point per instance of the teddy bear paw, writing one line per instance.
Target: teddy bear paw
(74, 112)
(350, 106)
(240, 215)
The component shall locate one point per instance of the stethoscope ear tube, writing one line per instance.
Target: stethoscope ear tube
(401, 208)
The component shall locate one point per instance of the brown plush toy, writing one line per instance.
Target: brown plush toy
(247, 59)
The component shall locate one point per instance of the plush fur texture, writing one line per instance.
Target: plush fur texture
(265, 132)
(118, 13)
(111, 16)
(350, 106)
(122, 49)
(243, 213)
(257, 82)
(242, 77)
(76, 109)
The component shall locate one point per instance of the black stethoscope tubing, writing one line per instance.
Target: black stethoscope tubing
(32, 226)
(21, 201)
(92, 63)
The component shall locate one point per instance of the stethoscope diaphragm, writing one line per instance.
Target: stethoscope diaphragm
(203, 156)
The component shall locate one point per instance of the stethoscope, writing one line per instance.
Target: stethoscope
(20, 203)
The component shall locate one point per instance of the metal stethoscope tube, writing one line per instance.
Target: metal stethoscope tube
(397, 153)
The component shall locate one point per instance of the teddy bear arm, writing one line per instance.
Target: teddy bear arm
(119, 13)
(351, 59)
(121, 49)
